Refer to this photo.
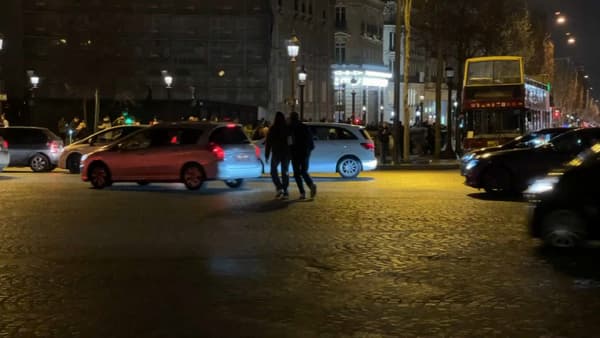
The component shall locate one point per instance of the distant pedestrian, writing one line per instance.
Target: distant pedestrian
(384, 139)
(400, 145)
(277, 143)
(105, 123)
(300, 147)
(4, 121)
(62, 126)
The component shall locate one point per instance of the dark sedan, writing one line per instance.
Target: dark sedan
(565, 209)
(510, 171)
(530, 140)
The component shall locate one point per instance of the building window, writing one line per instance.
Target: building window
(340, 53)
(296, 5)
(340, 17)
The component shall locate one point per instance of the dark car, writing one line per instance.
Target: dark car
(565, 205)
(530, 140)
(512, 170)
(37, 148)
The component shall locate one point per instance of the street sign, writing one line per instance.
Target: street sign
(3, 97)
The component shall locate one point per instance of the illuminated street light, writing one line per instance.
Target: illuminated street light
(293, 49)
(301, 82)
(1, 42)
(586, 76)
(35, 80)
(561, 19)
(571, 40)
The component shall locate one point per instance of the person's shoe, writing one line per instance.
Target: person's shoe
(279, 194)
(285, 196)
(302, 196)
(313, 190)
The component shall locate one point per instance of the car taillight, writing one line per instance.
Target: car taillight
(257, 152)
(217, 151)
(54, 146)
(5, 144)
(368, 145)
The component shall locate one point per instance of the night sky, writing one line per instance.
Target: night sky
(583, 23)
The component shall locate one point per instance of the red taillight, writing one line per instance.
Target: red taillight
(5, 144)
(257, 152)
(54, 146)
(231, 125)
(368, 145)
(217, 151)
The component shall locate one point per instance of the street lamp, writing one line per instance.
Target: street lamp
(293, 49)
(301, 82)
(571, 40)
(34, 80)
(421, 99)
(168, 79)
(449, 153)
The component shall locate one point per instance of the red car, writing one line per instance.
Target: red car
(190, 153)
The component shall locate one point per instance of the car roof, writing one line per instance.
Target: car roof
(196, 124)
(26, 127)
(333, 124)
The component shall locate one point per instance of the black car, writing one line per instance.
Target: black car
(565, 205)
(530, 140)
(510, 171)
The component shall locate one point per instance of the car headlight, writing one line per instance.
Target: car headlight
(542, 185)
(468, 157)
(471, 164)
(83, 158)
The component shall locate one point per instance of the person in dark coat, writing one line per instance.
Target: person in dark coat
(277, 144)
(384, 139)
(300, 147)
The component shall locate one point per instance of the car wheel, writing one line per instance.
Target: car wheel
(192, 176)
(143, 183)
(496, 180)
(348, 167)
(73, 162)
(234, 183)
(99, 176)
(39, 163)
(563, 229)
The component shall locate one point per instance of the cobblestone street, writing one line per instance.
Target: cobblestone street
(394, 253)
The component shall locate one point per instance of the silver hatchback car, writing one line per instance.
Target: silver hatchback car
(340, 148)
(71, 154)
(37, 148)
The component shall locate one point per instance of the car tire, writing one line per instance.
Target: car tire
(564, 229)
(143, 183)
(497, 180)
(234, 183)
(192, 176)
(349, 167)
(99, 176)
(40, 163)
(73, 162)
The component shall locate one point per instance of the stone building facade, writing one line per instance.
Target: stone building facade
(226, 58)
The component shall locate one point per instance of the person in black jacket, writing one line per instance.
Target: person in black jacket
(300, 147)
(277, 142)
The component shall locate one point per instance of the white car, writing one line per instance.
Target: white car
(339, 148)
(71, 154)
(4, 155)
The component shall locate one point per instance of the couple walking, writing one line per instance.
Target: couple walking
(295, 142)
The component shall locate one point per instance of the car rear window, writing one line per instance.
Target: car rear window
(229, 135)
(364, 133)
(24, 135)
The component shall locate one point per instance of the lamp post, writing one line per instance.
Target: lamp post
(301, 82)
(421, 99)
(448, 152)
(1, 83)
(168, 79)
(293, 49)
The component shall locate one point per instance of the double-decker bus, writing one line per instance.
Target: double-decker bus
(500, 103)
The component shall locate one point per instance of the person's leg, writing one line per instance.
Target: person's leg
(285, 175)
(306, 176)
(275, 175)
(297, 167)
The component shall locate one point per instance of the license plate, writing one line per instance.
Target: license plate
(242, 157)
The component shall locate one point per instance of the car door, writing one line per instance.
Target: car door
(165, 155)
(128, 160)
(19, 145)
(321, 158)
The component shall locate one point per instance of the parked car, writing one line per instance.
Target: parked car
(37, 148)
(191, 153)
(565, 205)
(4, 155)
(512, 170)
(339, 148)
(71, 155)
(530, 140)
